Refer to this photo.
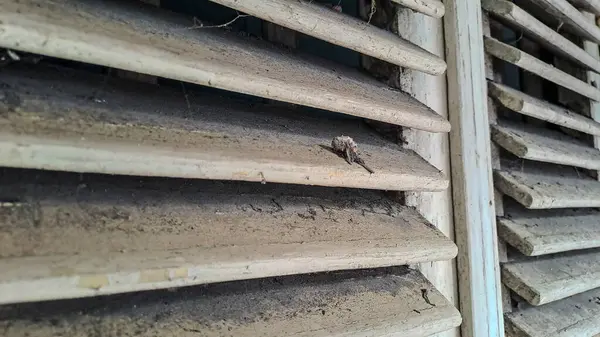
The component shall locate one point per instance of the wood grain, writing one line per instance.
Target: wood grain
(474, 214)
(570, 18)
(341, 29)
(533, 107)
(138, 37)
(592, 77)
(546, 36)
(436, 207)
(548, 279)
(588, 5)
(433, 8)
(575, 316)
(341, 304)
(58, 120)
(541, 144)
(69, 237)
(531, 64)
(545, 232)
(541, 190)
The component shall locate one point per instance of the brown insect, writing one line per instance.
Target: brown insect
(347, 148)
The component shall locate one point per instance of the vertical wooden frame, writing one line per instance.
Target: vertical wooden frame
(474, 214)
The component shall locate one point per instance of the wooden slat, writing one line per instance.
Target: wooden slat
(576, 316)
(433, 8)
(569, 18)
(529, 63)
(546, 232)
(63, 237)
(341, 29)
(546, 36)
(588, 5)
(531, 106)
(548, 190)
(141, 38)
(593, 79)
(540, 144)
(472, 188)
(137, 129)
(337, 304)
(548, 279)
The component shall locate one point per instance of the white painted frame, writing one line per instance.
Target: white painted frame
(474, 214)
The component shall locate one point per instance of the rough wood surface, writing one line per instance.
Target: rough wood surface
(539, 190)
(531, 106)
(576, 316)
(59, 120)
(550, 231)
(541, 144)
(549, 38)
(64, 237)
(436, 207)
(340, 304)
(548, 279)
(568, 17)
(474, 216)
(593, 78)
(531, 64)
(433, 8)
(138, 37)
(588, 5)
(341, 29)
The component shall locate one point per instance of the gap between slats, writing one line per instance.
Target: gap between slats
(143, 39)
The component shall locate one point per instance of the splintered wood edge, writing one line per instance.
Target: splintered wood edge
(349, 307)
(531, 64)
(29, 29)
(343, 30)
(433, 8)
(533, 107)
(540, 32)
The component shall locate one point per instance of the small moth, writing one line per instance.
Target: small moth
(346, 147)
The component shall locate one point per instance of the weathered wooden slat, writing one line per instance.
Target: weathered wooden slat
(531, 106)
(138, 37)
(531, 64)
(433, 8)
(550, 231)
(539, 144)
(64, 237)
(548, 279)
(136, 129)
(473, 190)
(548, 190)
(336, 304)
(588, 5)
(546, 36)
(569, 18)
(341, 29)
(576, 316)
